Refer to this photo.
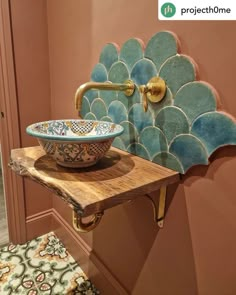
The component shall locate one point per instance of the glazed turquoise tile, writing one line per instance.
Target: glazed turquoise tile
(90, 116)
(131, 52)
(195, 98)
(99, 73)
(117, 112)
(129, 101)
(98, 108)
(155, 108)
(118, 73)
(215, 129)
(108, 96)
(139, 150)
(109, 55)
(130, 134)
(177, 71)
(119, 143)
(91, 95)
(160, 47)
(143, 71)
(153, 140)
(106, 119)
(189, 150)
(139, 118)
(168, 160)
(85, 107)
(183, 107)
(172, 121)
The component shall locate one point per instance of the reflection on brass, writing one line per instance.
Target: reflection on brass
(154, 91)
(128, 88)
(160, 213)
(142, 89)
(85, 227)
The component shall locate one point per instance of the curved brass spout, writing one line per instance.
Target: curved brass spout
(127, 87)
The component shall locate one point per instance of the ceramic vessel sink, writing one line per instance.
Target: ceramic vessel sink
(75, 143)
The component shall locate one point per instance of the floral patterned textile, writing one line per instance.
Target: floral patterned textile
(42, 266)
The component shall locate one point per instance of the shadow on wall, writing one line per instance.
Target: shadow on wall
(217, 159)
(142, 257)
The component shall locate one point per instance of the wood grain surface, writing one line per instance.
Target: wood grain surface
(117, 178)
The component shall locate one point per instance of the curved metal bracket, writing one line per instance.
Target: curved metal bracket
(85, 227)
(159, 214)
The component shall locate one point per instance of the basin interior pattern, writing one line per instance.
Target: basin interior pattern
(72, 130)
(181, 131)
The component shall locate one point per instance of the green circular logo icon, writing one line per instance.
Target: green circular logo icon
(168, 9)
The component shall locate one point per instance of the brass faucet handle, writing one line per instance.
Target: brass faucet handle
(154, 91)
(144, 89)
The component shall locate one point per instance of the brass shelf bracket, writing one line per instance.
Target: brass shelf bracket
(84, 227)
(159, 214)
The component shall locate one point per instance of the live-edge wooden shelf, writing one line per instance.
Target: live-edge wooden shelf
(117, 178)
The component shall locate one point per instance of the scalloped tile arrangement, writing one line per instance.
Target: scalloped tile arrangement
(181, 131)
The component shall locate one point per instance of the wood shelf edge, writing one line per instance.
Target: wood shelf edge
(88, 196)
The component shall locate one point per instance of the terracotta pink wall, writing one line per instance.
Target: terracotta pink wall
(29, 29)
(195, 252)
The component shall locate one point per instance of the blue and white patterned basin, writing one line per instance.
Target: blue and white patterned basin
(75, 143)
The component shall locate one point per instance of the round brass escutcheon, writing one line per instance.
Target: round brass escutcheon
(156, 89)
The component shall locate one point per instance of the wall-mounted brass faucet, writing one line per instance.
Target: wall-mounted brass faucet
(128, 88)
(154, 91)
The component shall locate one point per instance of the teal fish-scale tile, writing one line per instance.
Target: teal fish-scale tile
(118, 73)
(129, 101)
(109, 55)
(106, 119)
(215, 129)
(177, 71)
(118, 143)
(117, 112)
(160, 47)
(172, 121)
(195, 98)
(90, 116)
(98, 108)
(143, 71)
(131, 52)
(108, 96)
(85, 107)
(99, 73)
(155, 108)
(189, 151)
(139, 150)
(153, 140)
(168, 160)
(130, 134)
(91, 95)
(139, 118)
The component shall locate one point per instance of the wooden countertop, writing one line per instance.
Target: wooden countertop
(117, 178)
